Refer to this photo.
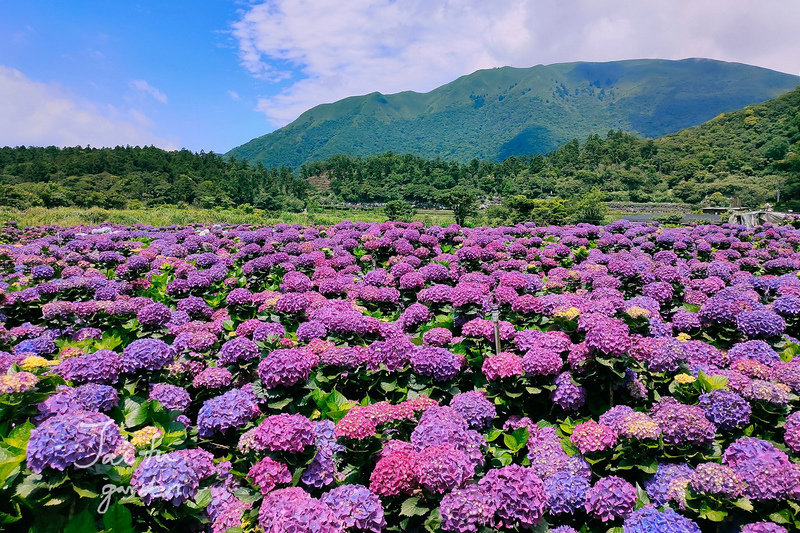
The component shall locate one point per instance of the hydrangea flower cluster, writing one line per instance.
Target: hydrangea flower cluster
(302, 356)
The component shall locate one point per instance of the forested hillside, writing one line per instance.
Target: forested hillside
(745, 153)
(492, 114)
(115, 177)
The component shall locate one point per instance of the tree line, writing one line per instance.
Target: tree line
(752, 153)
(141, 176)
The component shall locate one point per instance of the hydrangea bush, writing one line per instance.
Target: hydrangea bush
(347, 379)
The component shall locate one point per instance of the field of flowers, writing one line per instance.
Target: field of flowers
(348, 379)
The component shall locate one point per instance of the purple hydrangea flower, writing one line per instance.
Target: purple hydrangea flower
(80, 438)
(236, 350)
(439, 363)
(474, 408)
(284, 368)
(443, 468)
(682, 424)
(155, 314)
(146, 354)
(356, 507)
(465, 510)
(283, 432)
(717, 479)
(170, 396)
(212, 378)
(764, 527)
(566, 492)
(102, 366)
(567, 395)
(650, 520)
(239, 297)
(231, 410)
(727, 410)
(174, 477)
(610, 498)
(518, 494)
(293, 510)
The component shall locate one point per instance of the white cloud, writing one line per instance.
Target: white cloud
(234, 95)
(38, 114)
(143, 86)
(329, 49)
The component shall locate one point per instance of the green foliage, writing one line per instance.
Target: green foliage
(112, 178)
(461, 200)
(670, 218)
(588, 208)
(399, 210)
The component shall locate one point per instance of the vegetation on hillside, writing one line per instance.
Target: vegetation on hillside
(750, 153)
(746, 154)
(493, 114)
(137, 177)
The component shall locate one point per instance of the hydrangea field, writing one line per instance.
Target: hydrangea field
(347, 378)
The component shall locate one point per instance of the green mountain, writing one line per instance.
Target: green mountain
(750, 153)
(493, 114)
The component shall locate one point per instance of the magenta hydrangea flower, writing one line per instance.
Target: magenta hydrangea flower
(212, 378)
(293, 510)
(518, 494)
(442, 468)
(283, 432)
(590, 436)
(502, 365)
(395, 473)
(286, 367)
(267, 473)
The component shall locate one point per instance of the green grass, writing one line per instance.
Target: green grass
(168, 216)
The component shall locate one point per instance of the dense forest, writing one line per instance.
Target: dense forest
(134, 176)
(750, 153)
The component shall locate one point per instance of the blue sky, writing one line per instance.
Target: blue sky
(214, 74)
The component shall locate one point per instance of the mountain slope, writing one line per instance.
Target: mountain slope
(492, 114)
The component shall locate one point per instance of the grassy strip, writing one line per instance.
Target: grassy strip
(167, 216)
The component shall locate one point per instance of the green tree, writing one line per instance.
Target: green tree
(399, 210)
(462, 201)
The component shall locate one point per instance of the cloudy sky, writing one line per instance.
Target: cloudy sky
(212, 74)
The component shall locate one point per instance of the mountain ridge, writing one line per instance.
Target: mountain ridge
(503, 111)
